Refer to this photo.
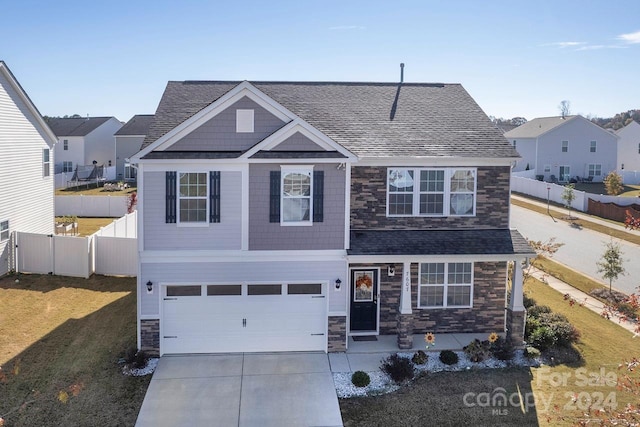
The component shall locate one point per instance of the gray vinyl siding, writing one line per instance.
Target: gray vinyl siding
(214, 236)
(126, 146)
(297, 142)
(242, 272)
(264, 235)
(100, 145)
(26, 197)
(219, 133)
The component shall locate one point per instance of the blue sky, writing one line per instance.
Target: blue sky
(516, 58)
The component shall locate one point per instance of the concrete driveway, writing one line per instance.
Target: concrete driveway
(266, 389)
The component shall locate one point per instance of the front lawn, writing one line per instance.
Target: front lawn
(60, 342)
(87, 226)
(93, 190)
(439, 399)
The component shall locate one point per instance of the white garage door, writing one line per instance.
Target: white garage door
(243, 318)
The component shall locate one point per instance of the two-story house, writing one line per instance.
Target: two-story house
(129, 139)
(26, 170)
(280, 216)
(629, 147)
(562, 148)
(83, 141)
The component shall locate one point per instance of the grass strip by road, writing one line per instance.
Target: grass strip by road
(622, 235)
(568, 275)
(60, 342)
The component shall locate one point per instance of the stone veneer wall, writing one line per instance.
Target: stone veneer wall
(337, 334)
(150, 336)
(486, 315)
(515, 326)
(369, 201)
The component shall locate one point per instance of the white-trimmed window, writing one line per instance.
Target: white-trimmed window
(445, 285)
(67, 166)
(244, 121)
(593, 146)
(547, 168)
(595, 170)
(129, 171)
(4, 230)
(565, 146)
(297, 195)
(65, 144)
(192, 197)
(438, 192)
(46, 162)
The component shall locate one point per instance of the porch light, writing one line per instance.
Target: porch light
(149, 286)
(338, 283)
(391, 270)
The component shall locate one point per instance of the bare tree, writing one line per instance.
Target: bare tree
(565, 108)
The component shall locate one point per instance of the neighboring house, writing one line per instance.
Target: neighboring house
(129, 139)
(26, 168)
(562, 148)
(629, 147)
(292, 216)
(83, 141)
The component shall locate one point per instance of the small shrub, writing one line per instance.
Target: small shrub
(400, 369)
(612, 296)
(628, 310)
(136, 359)
(360, 379)
(419, 357)
(502, 349)
(542, 338)
(448, 357)
(531, 352)
(537, 310)
(476, 350)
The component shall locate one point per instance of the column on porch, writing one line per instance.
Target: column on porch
(516, 313)
(405, 314)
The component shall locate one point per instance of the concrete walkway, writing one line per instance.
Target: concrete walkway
(245, 390)
(581, 298)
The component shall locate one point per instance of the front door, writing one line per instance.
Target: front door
(364, 300)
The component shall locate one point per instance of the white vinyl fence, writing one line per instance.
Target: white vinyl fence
(63, 179)
(540, 189)
(91, 206)
(111, 251)
(630, 177)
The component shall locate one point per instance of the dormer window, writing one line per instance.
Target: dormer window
(244, 121)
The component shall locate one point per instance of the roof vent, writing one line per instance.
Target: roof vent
(401, 72)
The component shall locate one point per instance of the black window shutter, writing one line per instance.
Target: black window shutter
(214, 196)
(274, 197)
(170, 208)
(318, 196)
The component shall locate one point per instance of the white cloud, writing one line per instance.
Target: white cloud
(346, 27)
(600, 46)
(632, 38)
(562, 45)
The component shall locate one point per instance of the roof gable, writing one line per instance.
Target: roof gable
(77, 126)
(538, 126)
(371, 120)
(42, 126)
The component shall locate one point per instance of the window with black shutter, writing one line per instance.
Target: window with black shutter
(170, 202)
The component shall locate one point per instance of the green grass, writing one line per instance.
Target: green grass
(88, 226)
(568, 275)
(562, 215)
(603, 345)
(599, 188)
(61, 334)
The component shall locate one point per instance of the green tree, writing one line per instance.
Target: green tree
(613, 184)
(568, 195)
(610, 264)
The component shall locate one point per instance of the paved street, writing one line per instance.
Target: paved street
(582, 248)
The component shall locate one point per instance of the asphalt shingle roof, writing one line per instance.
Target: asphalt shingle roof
(439, 242)
(137, 125)
(537, 127)
(81, 126)
(369, 119)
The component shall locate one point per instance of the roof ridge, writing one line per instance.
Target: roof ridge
(318, 83)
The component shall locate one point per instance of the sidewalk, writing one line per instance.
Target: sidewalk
(578, 214)
(581, 298)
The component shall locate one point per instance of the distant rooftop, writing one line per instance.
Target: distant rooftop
(536, 127)
(138, 125)
(81, 126)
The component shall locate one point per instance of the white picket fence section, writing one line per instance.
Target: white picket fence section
(630, 177)
(540, 189)
(91, 206)
(113, 250)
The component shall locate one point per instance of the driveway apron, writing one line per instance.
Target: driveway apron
(265, 389)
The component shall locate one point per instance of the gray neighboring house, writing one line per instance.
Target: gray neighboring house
(26, 171)
(563, 148)
(129, 139)
(296, 216)
(84, 140)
